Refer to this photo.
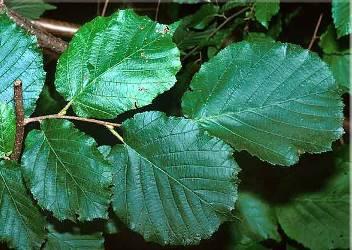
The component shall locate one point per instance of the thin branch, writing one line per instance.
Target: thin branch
(157, 11)
(19, 121)
(75, 118)
(117, 135)
(45, 39)
(217, 29)
(314, 37)
(105, 7)
(55, 27)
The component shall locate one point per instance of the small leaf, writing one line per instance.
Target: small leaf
(173, 183)
(7, 129)
(31, 9)
(323, 213)
(118, 63)
(20, 59)
(22, 225)
(265, 10)
(341, 15)
(73, 241)
(340, 67)
(66, 173)
(274, 100)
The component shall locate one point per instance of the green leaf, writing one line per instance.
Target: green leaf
(274, 100)
(66, 173)
(20, 59)
(341, 15)
(257, 222)
(22, 225)
(7, 129)
(73, 241)
(319, 219)
(173, 183)
(328, 41)
(265, 10)
(115, 64)
(190, 1)
(31, 9)
(340, 67)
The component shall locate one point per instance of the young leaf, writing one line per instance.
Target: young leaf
(22, 225)
(341, 15)
(173, 183)
(66, 173)
(340, 67)
(73, 241)
(7, 129)
(324, 213)
(20, 59)
(31, 9)
(117, 63)
(274, 100)
(265, 10)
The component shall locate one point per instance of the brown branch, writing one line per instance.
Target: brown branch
(55, 27)
(314, 37)
(157, 11)
(105, 7)
(45, 39)
(19, 121)
(75, 118)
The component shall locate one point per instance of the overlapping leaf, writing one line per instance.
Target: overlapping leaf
(117, 63)
(265, 10)
(66, 173)
(323, 212)
(342, 17)
(274, 100)
(32, 9)
(20, 59)
(7, 129)
(173, 183)
(22, 225)
(73, 240)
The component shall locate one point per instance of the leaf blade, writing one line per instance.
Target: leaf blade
(7, 129)
(122, 62)
(273, 100)
(183, 193)
(66, 173)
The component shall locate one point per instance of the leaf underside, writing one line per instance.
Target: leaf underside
(22, 225)
(20, 59)
(116, 64)
(66, 173)
(173, 184)
(274, 100)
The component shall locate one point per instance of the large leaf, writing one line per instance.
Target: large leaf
(32, 9)
(66, 173)
(20, 59)
(173, 183)
(342, 17)
(73, 240)
(274, 100)
(117, 63)
(265, 10)
(22, 225)
(319, 218)
(7, 129)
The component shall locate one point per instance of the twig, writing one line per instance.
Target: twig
(105, 7)
(314, 37)
(217, 29)
(18, 98)
(55, 27)
(58, 116)
(117, 135)
(45, 39)
(157, 11)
